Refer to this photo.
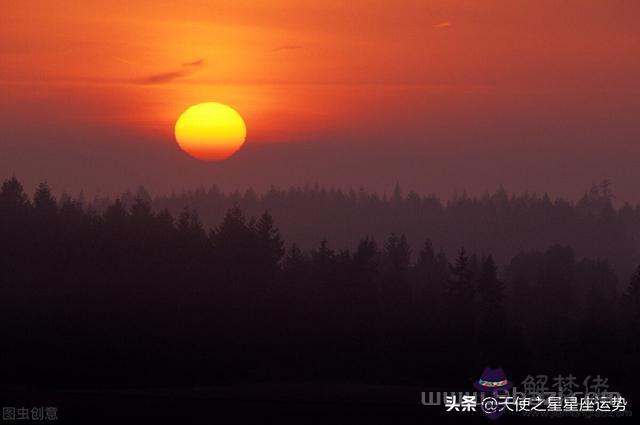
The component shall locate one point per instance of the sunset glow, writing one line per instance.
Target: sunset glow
(413, 89)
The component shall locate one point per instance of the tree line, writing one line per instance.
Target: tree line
(499, 223)
(129, 294)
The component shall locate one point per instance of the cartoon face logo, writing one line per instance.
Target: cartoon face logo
(492, 384)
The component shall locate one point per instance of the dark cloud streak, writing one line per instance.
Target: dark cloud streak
(196, 63)
(169, 76)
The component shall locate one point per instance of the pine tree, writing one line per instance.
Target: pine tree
(397, 256)
(189, 223)
(43, 201)
(492, 329)
(233, 228)
(12, 194)
(270, 240)
(460, 297)
(366, 258)
(116, 214)
(234, 248)
(397, 194)
(432, 270)
(294, 264)
(460, 283)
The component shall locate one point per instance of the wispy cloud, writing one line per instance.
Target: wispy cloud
(163, 77)
(286, 47)
(196, 63)
(187, 68)
(444, 24)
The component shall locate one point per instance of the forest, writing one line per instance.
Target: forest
(170, 291)
(500, 223)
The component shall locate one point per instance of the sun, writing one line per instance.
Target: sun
(210, 131)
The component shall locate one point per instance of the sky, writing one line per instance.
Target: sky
(438, 96)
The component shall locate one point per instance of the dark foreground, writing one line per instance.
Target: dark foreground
(256, 403)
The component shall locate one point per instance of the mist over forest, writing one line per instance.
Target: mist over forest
(499, 223)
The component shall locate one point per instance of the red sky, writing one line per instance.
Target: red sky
(436, 95)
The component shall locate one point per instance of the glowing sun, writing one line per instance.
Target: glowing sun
(210, 131)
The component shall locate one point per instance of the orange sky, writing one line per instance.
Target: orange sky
(409, 71)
